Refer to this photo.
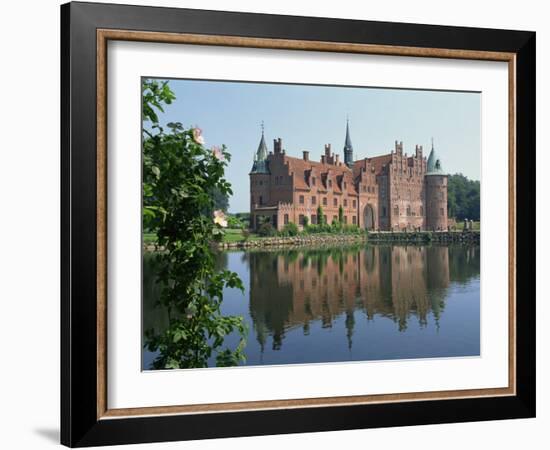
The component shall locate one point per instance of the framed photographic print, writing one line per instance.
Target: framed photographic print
(276, 224)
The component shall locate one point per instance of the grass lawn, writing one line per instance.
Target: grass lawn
(149, 238)
(231, 235)
(236, 235)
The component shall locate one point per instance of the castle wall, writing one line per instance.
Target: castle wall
(406, 188)
(368, 211)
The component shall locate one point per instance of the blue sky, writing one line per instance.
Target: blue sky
(307, 117)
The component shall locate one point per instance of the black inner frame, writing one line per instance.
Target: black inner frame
(79, 424)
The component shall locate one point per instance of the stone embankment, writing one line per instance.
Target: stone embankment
(404, 237)
(311, 239)
(465, 237)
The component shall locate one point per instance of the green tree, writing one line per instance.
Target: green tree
(221, 200)
(179, 177)
(340, 214)
(463, 197)
(320, 215)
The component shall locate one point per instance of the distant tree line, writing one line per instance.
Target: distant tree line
(463, 197)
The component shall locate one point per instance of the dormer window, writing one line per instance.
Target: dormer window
(329, 183)
(313, 180)
(345, 185)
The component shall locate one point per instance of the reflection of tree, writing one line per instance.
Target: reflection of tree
(398, 282)
(464, 262)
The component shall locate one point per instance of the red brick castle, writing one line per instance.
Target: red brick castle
(388, 192)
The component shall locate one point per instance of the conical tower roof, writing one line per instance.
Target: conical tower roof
(434, 163)
(348, 144)
(260, 164)
(261, 153)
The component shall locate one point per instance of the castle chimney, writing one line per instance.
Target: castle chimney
(327, 150)
(306, 155)
(277, 145)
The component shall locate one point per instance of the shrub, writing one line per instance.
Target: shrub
(290, 229)
(180, 179)
(266, 230)
(306, 222)
(320, 215)
(235, 222)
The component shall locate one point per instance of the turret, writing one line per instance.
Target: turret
(259, 182)
(436, 193)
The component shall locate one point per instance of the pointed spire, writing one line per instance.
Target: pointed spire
(261, 154)
(348, 146)
(260, 157)
(348, 138)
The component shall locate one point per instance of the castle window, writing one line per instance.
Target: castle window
(313, 180)
(301, 199)
(314, 200)
(314, 219)
(335, 202)
(286, 219)
(329, 183)
(354, 220)
(408, 210)
(354, 204)
(261, 200)
(301, 219)
(441, 195)
(396, 210)
(345, 185)
(325, 201)
(346, 202)
(345, 220)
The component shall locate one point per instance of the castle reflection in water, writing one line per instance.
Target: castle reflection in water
(294, 288)
(312, 305)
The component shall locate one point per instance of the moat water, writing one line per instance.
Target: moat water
(356, 303)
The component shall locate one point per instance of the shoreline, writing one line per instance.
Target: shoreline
(375, 237)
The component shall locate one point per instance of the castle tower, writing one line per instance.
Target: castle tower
(348, 148)
(259, 181)
(436, 193)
